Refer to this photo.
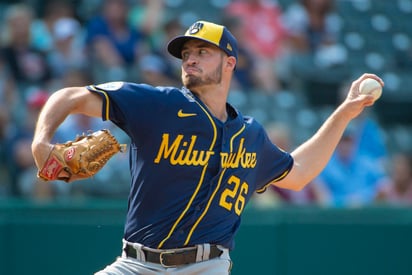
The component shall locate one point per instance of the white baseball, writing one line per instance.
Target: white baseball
(372, 87)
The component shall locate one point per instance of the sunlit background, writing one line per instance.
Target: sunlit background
(296, 60)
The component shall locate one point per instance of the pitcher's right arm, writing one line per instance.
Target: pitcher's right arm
(71, 100)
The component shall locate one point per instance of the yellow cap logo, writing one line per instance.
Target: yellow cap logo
(195, 28)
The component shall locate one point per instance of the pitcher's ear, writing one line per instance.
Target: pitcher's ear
(231, 62)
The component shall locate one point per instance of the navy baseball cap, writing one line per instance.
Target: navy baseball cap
(215, 34)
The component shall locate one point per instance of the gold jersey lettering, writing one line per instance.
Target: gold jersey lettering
(182, 152)
(240, 158)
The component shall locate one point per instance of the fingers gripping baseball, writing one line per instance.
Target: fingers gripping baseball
(358, 99)
(80, 159)
(368, 87)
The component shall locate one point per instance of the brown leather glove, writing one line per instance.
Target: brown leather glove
(82, 158)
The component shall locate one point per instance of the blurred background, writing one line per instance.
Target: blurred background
(296, 60)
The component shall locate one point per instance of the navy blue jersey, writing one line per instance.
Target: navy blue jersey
(192, 174)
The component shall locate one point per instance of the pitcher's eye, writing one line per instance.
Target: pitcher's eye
(185, 55)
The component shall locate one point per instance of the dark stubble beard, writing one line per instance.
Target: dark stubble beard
(215, 77)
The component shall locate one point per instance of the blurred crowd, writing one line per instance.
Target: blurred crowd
(76, 43)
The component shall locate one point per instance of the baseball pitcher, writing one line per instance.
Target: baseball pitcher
(195, 160)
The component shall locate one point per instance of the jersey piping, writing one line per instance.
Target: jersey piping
(106, 115)
(263, 189)
(198, 185)
(214, 192)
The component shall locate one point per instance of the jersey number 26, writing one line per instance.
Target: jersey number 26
(234, 195)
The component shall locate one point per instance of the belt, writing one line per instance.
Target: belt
(171, 257)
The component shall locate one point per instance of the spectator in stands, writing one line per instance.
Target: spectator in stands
(349, 179)
(263, 35)
(316, 57)
(370, 139)
(245, 76)
(26, 64)
(113, 45)
(43, 26)
(397, 189)
(68, 51)
(149, 17)
(158, 66)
